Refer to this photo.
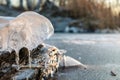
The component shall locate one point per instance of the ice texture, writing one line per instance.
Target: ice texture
(29, 29)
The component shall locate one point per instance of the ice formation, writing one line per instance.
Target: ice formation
(30, 29)
(27, 30)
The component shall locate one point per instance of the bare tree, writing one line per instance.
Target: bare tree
(21, 4)
(62, 3)
(38, 5)
(8, 3)
(118, 2)
(29, 4)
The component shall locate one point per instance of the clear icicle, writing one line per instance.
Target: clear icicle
(17, 58)
(29, 59)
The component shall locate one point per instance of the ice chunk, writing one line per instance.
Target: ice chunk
(27, 30)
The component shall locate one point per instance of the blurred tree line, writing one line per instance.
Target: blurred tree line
(95, 14)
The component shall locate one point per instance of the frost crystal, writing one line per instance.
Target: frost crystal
(29, 29)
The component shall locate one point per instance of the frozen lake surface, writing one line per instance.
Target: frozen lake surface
(100, 52)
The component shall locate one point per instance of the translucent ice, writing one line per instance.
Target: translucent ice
(27, 30)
